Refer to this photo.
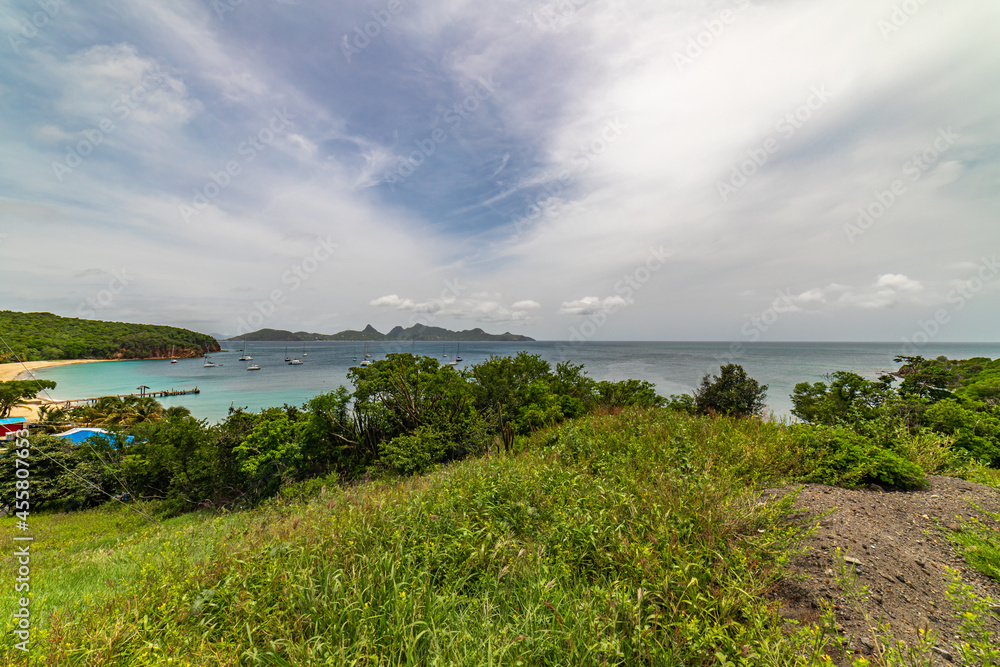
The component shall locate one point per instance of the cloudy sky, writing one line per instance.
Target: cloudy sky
(602, 169)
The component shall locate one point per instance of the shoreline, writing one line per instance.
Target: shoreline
(20, 371)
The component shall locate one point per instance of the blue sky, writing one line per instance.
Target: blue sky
(587, 169)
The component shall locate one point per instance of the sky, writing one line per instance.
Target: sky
(598, 170)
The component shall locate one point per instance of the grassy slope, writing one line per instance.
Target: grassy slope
(635, 539)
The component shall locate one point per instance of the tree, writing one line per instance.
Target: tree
(848, 398)
(53, 419)
(517, 391)
(628, 392)
(16, 392)
(732, 393)
(931, 379)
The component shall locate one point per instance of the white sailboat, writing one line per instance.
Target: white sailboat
(367, 361)
(246, 353)
(250, 367)
(209, 363)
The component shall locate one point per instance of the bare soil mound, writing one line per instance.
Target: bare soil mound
(898, 543)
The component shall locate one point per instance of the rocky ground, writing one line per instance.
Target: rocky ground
(897, 545)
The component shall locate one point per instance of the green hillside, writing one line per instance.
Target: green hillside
(45, 337)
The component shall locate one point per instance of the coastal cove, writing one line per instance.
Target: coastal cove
(674, 367)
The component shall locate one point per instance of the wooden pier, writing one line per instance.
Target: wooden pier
(152, 394)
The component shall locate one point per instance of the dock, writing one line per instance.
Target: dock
(152, 394)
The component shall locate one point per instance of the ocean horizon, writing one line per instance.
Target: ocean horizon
(673, 367)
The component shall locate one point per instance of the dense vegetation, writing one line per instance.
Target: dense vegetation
(405, 415)
(587, 524)
(944, 398)
(408, 414)
(44, 337)
(369, 333)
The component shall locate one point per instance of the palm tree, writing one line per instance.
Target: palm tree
(147, 409)
(176, 412)
(52, 419)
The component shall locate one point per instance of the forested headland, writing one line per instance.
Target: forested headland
(48, 337)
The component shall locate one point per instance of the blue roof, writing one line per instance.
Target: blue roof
(14, 420)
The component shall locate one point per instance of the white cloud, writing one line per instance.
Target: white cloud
(888, 290)
(52, 134)
(116, 82)
(590, 305)
(560, 82)
(478, 307)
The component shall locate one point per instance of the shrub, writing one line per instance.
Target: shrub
(628, 393)
(849, 398)
(732, 393)
(836, 456)
(415, 453)
(682, 403)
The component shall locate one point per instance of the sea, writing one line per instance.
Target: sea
(673, 367)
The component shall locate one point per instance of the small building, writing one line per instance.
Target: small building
(8, 427)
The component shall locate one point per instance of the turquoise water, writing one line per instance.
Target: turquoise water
(674, 368)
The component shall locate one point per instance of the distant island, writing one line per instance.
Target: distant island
(48, 337)
(369, 333)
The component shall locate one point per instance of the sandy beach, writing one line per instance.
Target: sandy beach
(19, 371)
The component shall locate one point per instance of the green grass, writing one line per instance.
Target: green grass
(979, 542)
(635, 539)
(979, 474)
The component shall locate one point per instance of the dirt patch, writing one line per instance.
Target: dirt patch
(899, 542)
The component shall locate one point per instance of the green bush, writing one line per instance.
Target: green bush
(978, 433)
(628, 393)
(837, 456)
(64, 474)
(415, 453)
(732, 393)
(849, 398)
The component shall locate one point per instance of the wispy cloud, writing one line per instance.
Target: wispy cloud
(590, 148)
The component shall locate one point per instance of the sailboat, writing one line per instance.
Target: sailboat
(287, 358)
(458, 355)
(251, 367)
(355, 353)
(172, 360)
(209, 363)
(367, 361)
(296, 361)
(246, 352)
